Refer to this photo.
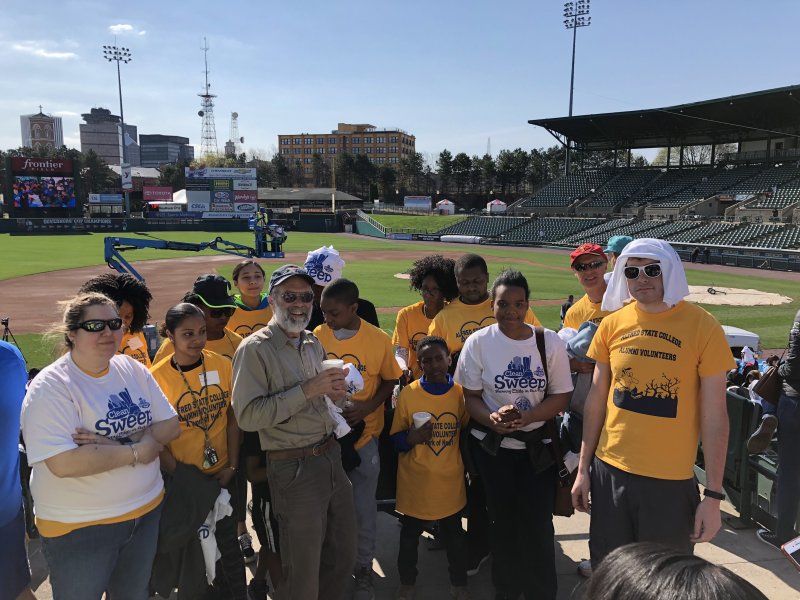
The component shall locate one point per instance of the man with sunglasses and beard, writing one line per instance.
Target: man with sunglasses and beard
(279, 390)
(658, 387)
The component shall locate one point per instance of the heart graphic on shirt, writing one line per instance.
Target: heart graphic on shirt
(446, 427)
(245, 330)
(192, 409)
(470, 327)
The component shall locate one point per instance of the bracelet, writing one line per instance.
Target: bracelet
(714, 495)
(135, 455)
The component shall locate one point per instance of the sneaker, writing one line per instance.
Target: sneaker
(257, 590)
(762, 436)
(585, 568)
(246, 546)
(405, 592)
(769, 538)
(364, 589)
(459, 592)
(474, 564)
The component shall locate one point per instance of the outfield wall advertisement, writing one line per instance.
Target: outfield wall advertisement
(222, 193)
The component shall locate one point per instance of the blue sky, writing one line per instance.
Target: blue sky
(452, 73)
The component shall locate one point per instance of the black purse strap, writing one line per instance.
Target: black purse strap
(550, 424)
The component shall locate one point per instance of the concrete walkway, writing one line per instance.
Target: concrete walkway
(736, 549)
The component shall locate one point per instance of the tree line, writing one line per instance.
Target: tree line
(469, 181)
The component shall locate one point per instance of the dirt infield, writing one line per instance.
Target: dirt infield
(32, 301)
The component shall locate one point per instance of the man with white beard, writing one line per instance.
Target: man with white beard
(279, 390)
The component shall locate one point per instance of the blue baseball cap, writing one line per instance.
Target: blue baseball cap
(617, 243)
(287, 272)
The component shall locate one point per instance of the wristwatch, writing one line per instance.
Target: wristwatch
(713, 494)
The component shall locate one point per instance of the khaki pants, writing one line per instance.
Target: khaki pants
(313, 502)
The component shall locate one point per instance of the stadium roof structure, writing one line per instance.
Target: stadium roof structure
(760, 115)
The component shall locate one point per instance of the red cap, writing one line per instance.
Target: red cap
(593, 249)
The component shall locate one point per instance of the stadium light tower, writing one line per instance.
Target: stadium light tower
(119, 54)
(576, 14)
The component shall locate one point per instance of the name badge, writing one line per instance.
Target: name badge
(135, 343)
(211, 378)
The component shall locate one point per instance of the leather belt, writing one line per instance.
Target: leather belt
(317, 449)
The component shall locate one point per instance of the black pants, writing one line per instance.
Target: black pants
(229, 580)
(451, 535)
(521, 534)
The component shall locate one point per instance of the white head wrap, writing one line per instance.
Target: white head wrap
(324, 265)
(672, 273)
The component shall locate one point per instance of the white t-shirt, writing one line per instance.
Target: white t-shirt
(122, 402)
(510, 372)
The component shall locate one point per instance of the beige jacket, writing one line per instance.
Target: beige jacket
(268, 369)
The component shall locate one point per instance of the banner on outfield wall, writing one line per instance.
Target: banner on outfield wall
(399, 236)
(153, 193)
(425, 238)
(220, 173)
(245, 184)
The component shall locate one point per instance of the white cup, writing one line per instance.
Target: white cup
(332, 363)
(420, 418)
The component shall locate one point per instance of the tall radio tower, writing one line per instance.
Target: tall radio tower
(232, 145)
(208, 134)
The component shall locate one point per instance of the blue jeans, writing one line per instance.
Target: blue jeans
(788, 466)
(365, 481)
(114, 558)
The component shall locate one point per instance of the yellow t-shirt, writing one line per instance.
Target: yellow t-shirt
(457, 321)
(430, 477)
(193, 412)
(135, 346)
(652, 423)
(370, 350)
(224, 346)
(584, 310)
(411, 326)
(244, 322)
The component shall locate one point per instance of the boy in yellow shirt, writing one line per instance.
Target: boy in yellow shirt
(346, 336)
(430, 475)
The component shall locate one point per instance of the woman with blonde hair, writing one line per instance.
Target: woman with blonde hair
(94, 423)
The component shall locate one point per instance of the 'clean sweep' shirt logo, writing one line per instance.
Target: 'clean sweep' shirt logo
(519, 376)
(124, 416)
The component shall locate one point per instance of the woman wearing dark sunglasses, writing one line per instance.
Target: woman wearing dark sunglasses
(94, 423)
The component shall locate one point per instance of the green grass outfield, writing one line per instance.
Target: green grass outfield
(421, 223)
(24, 255)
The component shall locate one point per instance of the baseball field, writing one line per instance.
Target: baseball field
(38, 271)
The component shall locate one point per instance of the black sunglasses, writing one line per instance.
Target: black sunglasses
(97, 325)
(292, 297)
(226, 311)
(590, 266)
(651, 270)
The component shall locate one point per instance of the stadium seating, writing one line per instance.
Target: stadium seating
(769, 179)
(671, 182)
(786, 196)
(598, 234)
(483, 226)
(670, 228)
(700, 234)
(548, 230)
(742, 236)
(619, 189)
(566, 189)
(717, 182)
(787, 237)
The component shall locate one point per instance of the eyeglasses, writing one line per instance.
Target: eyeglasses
(651, 270)
(98, 325)
(589, 266)
(292, 297)
(217, 313)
